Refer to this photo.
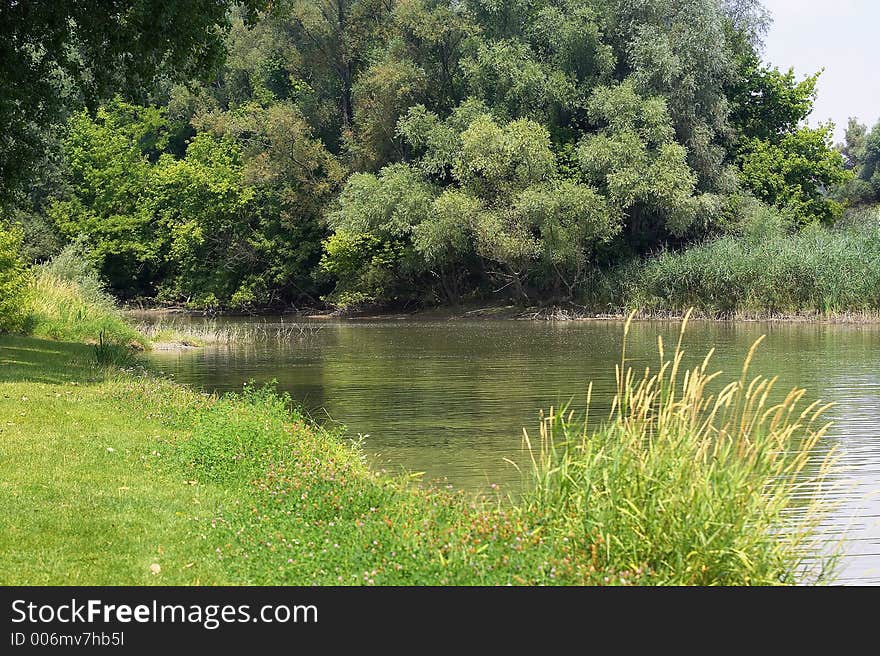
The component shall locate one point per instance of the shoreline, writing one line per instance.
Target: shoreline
(512, 312)
(164, 471)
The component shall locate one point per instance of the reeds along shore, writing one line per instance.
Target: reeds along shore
(174, 332)
(692, 486)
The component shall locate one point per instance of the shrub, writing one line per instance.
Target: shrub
(13, 282)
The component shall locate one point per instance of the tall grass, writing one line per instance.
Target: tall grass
(815, 272)
(67, 301)
(213, 333)
(13, 281)
(112, 354)
(689, 487)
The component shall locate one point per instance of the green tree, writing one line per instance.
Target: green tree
(635, 161)
(58, 55)
(381, 95)
(870, 171)
(782, 161)
(684, 52)
(246, 196)
(294, 178)
(861, 152)
(853, 147)
(202, 207)
(767, 104)
(796, 174)
(106, 199)
(483, 198)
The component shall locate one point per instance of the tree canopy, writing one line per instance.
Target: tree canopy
(375, 151)
(61, 54)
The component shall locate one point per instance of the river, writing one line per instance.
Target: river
(450, 398)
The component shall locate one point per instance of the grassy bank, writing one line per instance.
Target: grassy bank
(115, 477)
(66, 300)
(107, 475)
(819, 273)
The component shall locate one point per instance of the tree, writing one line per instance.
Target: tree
(636, 162)
(767, 104)
(870, 171)
(748, 18)
(333, 39)
(60, 54)
(484, 197)
(206, 214)
(782, 161)
(796, 174)
(853, 147)
(381, 95)
(294, 178)
(245, 196)
(105, 198)
(861, 152)
(684, 52)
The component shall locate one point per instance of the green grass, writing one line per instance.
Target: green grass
(236, 490)
(64, 310)
(687, 487)
(817, 272)
(105, 475)
(82, 502)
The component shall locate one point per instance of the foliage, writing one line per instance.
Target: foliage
(796, 173)
(105, 204)
(68, 302)
(480, 189)
(153, 219)
(14, 279)
(635, 160)
(782, 161)
(681, 51)
(59, 55)
(424, 151)
(201, 205)
(861, 151)
(768, 104)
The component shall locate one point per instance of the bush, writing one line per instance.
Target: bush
(14, 278)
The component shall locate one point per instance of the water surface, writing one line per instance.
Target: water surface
(450, 398)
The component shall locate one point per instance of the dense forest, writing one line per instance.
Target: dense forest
(404, 153)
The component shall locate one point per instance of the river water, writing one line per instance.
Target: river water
(450, 398)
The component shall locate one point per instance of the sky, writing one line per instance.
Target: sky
(840, 35)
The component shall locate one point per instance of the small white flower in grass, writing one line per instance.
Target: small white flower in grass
(155, 568)
(110, 449)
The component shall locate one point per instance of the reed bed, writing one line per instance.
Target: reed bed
(815, 273)
(212, 333)
(688, 486)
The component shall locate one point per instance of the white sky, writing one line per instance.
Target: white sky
(843, 36)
